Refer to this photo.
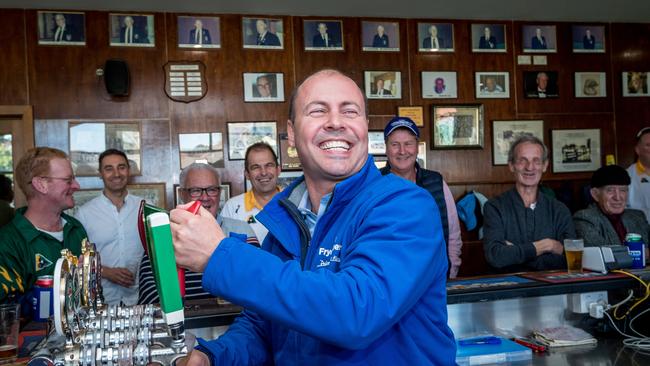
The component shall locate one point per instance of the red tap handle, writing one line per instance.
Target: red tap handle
(194, 209)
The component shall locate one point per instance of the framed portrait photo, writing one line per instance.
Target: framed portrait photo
(588, 38)
(322, 35)
(199, 32)
(436, 37)
(263, 33)
(540, 84)
(380, 36)
(289, 159)
(243, 134)
(263, 87)
(576, 150)
(376, 143)
(383, 84)
(439, 85)
(635, 84)
(504, 133)
(492, 84)
(61, 28)
(201, 148)
(539, 38)
(489, 38)
(132, 30)
(457, 126)
(89, 139)
(590, 85)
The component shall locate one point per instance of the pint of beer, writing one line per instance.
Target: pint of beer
(9, 324)
(573, 249)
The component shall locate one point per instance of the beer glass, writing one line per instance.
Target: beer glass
(9, 327)
(573, 249)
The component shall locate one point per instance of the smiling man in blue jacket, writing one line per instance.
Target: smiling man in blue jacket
(353, 268)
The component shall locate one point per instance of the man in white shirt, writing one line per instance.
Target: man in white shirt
(111, 220)
(639, 193)
(262, 170)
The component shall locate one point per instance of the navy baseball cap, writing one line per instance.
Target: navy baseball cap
(401, 122)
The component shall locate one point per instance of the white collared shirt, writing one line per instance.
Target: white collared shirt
(115, 233)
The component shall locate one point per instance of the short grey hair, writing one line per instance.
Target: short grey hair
(197, 166)
(524, 139)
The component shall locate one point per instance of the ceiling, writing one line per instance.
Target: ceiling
(549, 10)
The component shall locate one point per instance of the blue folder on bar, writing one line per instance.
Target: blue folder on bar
(483, 354)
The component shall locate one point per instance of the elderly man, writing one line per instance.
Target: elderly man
(639, 193)
(523, 228)
(261, 168)
(111, 220)
(607, 221)
(263, 87)
(353, 268)
(401, 135)
(433, 41)
(32, 242)
(199, 35)
(198, 182)
(264, 37)
(380, 39)
(62, 32)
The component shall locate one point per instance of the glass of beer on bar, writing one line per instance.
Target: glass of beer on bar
(9, 327)
(573, 249)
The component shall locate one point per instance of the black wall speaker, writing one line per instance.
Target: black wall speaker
(116, 78)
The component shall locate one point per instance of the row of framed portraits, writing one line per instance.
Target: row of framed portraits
(204, 32)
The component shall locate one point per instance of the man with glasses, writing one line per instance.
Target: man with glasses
(523, 228)
(32, 242)
(262, 170)
(198, 182)
(111, 220)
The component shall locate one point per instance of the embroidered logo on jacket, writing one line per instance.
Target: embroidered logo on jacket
(327, 256)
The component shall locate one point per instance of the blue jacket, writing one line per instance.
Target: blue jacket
(368, 289)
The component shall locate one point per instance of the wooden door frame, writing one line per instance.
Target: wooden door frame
(26, 137)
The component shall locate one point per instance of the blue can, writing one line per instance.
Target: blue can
(43, 298)
(636, 248)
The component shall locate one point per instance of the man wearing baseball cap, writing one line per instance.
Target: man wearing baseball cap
(639, 194)
(401, 135)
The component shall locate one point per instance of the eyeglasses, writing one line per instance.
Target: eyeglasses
(196, 192)
(67, 180)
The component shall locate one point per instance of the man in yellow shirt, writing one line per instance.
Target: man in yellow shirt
(639, 194)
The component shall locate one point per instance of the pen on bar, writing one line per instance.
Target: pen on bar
(479, 341)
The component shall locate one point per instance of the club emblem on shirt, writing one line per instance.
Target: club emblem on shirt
(41, 262)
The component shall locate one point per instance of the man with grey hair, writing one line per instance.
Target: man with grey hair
(524, 229)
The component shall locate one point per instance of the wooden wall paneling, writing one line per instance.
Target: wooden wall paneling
(13, 73)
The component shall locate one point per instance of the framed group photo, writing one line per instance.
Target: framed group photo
(541, 84)
(323, 35)
(243, 134)
(380, 36)
(588, 38)
(489, 38)
(539, 38)
(63, 28)
(635, 84)
(199, 32)
(263, 33)
(457, 126)
(383, 84)
(263, 87)
(492, 84)
(201, 147)
(590, 85)
(436, 37)
(576, 150)
(439, 85)
(132, 30)
(504, 133)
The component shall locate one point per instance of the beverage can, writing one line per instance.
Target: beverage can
(43, 298)
(636, 248)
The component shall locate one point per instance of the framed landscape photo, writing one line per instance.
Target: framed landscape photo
(439, 85)
(590, 85)
(492, 84)
(504, 133)
(576, 150)
(263, 87)
(635, 84)
(153, 193)
(436, 37)
(541, 84)
(201, 148)
(489, 38)
(289, 159)
(263, 33)
(199, 32)
(132, 30)
(457, 126)
(539, 38)
(383, 84)
(322, 35)
(380, 36)
(376, 143)
(588, 38)
(243, 134)
(61, 28)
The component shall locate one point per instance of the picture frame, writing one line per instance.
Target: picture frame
(204, 147)
(376, 143)
(539, 38)
(61, 28)
(439, 85)
(323, 35)
(494, 84)
(457, 126)
(588, 38)
(198, 32)
(590, 84)
(541, 84)
(422, 154)
(489, 38)
(263, 33)
(380, 36)
(576, 150)
(89, 139)
(383, 84)
(435, 37)
(131, 30)
(380, 161)
(243, 134)
(153, 193)
(263, 87)
(635, 84)
(504, 133)
(284, 179)
(289, 159)
(415, 113)
(223, 196)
